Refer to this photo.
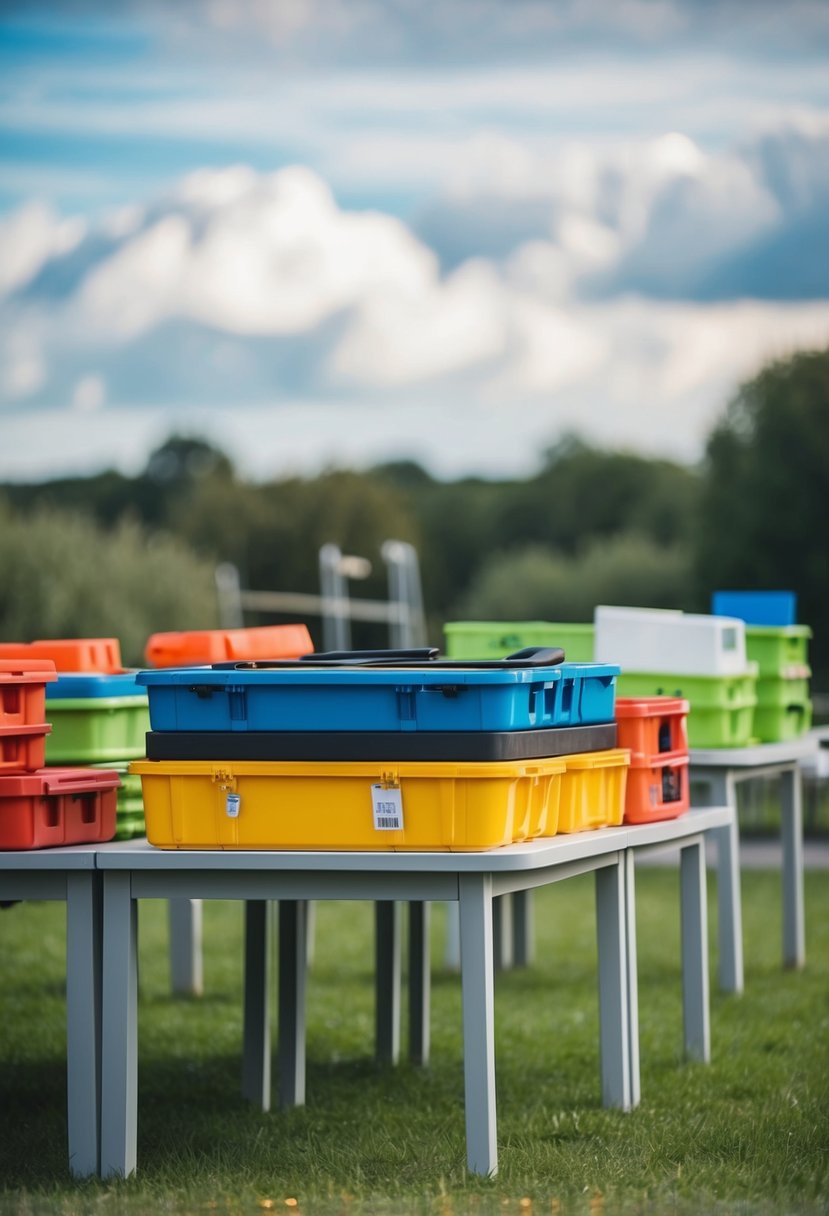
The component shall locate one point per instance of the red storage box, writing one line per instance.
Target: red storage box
(657, 788)
(70, 654)
(652, 727)
(202, 646)
(23, 691)
(23, 748)
(57, 806)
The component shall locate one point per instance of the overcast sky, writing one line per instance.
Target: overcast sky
(339, 231)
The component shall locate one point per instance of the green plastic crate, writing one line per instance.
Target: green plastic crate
(94, 730)
(780, 723)
(722, 707)
(778, 648)
(497, 639)
(784, 710)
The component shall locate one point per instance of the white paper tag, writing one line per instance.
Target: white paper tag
(232, 805)
(387, 805)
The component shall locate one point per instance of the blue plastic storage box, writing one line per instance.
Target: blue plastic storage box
(92, 684)
(757, 607)
(379, 699)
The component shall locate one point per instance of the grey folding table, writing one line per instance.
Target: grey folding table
(69, 874)
(716, 771)
(134, 870)
(685, 834)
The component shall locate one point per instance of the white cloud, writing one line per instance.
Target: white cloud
(251, 254)
(28, 237)
(89, 394)
(259, 291)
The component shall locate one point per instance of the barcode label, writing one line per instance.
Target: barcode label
(387, 806)
(232, 805)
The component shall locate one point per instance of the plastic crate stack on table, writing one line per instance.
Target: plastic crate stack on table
(780, 648)
(39, 806)
(98, 713)
(699, 658)
(380, 750)
(653, 729)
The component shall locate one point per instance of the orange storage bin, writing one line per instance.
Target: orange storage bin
(23, 748)
(23, 691)
(657, 789)
(652, 727)
(57, 806)
(202, 646)
(70, 654)
(592, 791)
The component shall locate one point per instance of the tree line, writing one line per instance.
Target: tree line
(591, 526)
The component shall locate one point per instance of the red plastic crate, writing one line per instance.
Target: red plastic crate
(199, 647)
(23, 691)
(656, 789)
(57, 806)
(23, 748)
(652, 727)
(70, 654)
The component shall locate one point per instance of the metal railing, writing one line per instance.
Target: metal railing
(402, 611)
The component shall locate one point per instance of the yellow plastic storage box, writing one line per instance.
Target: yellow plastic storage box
(258, 804)
(592, 791)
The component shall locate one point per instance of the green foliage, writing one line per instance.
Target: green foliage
(746, 1133)
(583, 491)
(765, 492)
(64, 576)
(536, 583)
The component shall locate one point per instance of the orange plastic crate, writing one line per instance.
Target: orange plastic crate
(57, 806)
(23, 691)
(201, 646)
(652, 727)
(70, 654)
(657, 789)
(23, 748)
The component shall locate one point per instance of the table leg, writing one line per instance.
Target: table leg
(387, 980)
(478, 986)
(502, 932)
(419, 981)
(611, 934)
(632, 975)
(83, 1019)
(186, 973)
(791, 827)
(119, 1037)
(695, 1005)
(256, 1046)
(523, 935)
(723, 792)
(293, 969)
(452, 952)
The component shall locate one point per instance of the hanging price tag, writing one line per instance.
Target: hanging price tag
(232, 805)
(387, 805)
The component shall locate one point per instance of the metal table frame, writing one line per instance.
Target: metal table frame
(136, 871)
(69, 874)
(718, 770)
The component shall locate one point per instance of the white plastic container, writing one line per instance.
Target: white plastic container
(664, 639)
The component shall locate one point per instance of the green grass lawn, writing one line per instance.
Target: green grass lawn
(748, 1133)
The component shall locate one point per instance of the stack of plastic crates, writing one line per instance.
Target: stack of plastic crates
(699, 658)
(40, 806)
(380, 751)
(780, 647)
(99, 716)
(655, 731)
